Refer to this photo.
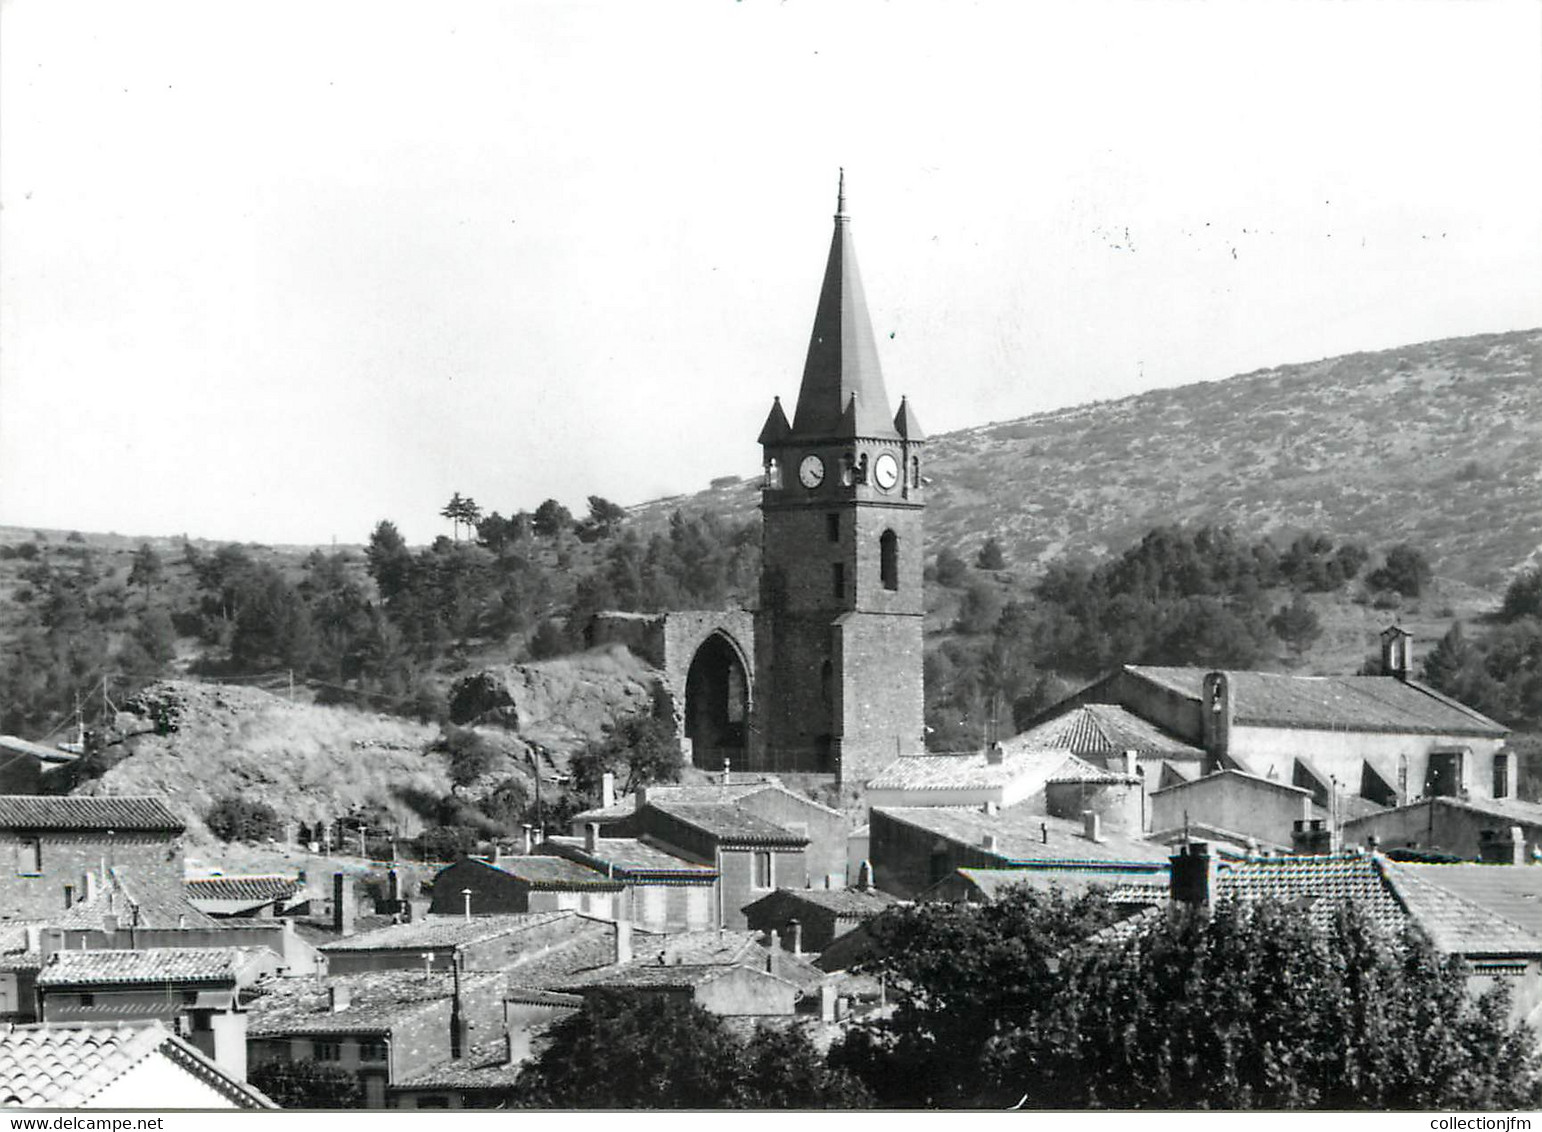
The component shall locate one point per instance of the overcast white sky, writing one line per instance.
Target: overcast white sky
(277, 271)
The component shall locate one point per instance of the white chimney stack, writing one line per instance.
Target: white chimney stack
(607, 790)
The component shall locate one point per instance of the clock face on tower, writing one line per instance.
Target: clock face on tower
(811, 471)
(885, 472)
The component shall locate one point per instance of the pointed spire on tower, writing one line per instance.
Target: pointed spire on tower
(905, 422)
(842, 363)
(776, 429)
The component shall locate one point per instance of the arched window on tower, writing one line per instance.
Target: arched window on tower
(915, 471)
(888, 560)
(773, 475)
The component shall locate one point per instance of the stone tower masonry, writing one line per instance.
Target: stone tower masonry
(838, 636)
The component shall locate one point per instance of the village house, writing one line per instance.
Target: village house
(24, 765)
(441, 943)
(1107, 735)
(198, 992)
(810, 919)
(1472, 828)
(59, 847)
(247, 897)
(915, 847)
(1006, 774)
(382, 1027)
(1232, 806)
(526, 884)
(645, 814)
(121, 1066)
(664, 889)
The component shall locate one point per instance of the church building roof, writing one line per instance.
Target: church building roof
(842, 394)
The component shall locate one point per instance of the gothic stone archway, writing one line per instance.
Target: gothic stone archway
(717, 704)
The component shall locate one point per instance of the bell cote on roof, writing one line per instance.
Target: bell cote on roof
(842, 422)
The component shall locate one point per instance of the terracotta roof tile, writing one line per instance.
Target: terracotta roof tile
(1107, 729)
(138, 903)
(88, 812)
(556, 873)
(1020, 836)
(1020, 764)
(486, 1066)
(631, 858)
(1322, 883)
(242, 888)
(1454, 924)
(727, 822)
(445, 931)
(844, 902)
(155, 965)
(51, 1066)
(378, 1001)
(1342, 703)
(1509, 891)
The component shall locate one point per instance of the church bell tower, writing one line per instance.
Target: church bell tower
(838, 635)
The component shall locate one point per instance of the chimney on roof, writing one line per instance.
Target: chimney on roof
(109, 923)
(1372, 843)
(642, 797)
(623, 937)
(529, 838)
(1192, 877)
(988, 842)
(990, 807)
(338, 997)
(607, 790)
(1132, 762)
(995, 754)
(773, 945)
(865, 875)
(1311, 838)
(797, 936)
(88, 883)
(591, 836)
(827, 1002)
(1396, 652)
(343, 909)
(1092, 826)
(1044, 832)
(460, 1025)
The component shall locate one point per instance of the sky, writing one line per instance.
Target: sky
(274, 272)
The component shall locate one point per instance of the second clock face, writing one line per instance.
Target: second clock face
(885, 471)
(811, 471)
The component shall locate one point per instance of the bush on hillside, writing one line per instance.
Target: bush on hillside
(242, 819)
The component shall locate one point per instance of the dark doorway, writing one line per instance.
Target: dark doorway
(1444, 778)
(717, 703)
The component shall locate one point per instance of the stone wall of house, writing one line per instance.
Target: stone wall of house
(825, 828)
(1443, 825)
(1117, 804)
(1235, 802)
(739, 884)
(907, 860)
(32, 883)
(747, 992)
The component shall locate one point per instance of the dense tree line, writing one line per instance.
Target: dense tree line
(1252, 1007)
(1501, 673)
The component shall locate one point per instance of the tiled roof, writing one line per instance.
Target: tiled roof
(687, 795)
(445, 931)
(98, 812)
(1320, 883)
(1019, 764)
(1020, 836)
(378, 1001)
(632, 858)
(846, 902)
(991, 883)
(1509, 891)
(1456, 925)
(665, 976)
(1340, 703)
(726, 822)
(1107, 729)
(253, 888)
(51, 1066)
(485, 1066)
(153, 965)
(556, 873)
(137, 903)
(592, 947)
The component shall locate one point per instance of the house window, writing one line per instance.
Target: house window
(838, 580)
(888, 560)
(372, 1051)
(1501, 776)
(328, 1051)
(29, 856)
(88, 1000)
(762, 870)
(189, 998)
(833, 526)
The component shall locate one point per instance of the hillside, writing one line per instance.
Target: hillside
(1439, 444)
